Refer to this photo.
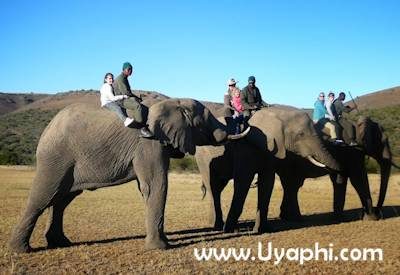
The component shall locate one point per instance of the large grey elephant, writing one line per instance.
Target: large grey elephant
(294, 168)
(372, 142)
(86, 147)
(275, 133)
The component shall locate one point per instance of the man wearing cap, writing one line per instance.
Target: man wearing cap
(122, 87)
(348, 128)
(251, 98)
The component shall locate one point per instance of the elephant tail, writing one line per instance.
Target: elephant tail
(254, 184)
(395, 165)
(203, 190)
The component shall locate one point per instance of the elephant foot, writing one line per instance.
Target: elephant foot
(369, 217)
(152, 243)
(291, 217)
(263, 228)
(218, 226)
(378, 213)
(229, 228)
(19, 247)
(338, 216)
(54, 241)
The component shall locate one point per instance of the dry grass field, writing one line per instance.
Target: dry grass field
(107, 228)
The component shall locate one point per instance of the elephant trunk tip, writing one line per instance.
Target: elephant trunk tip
(220, 135)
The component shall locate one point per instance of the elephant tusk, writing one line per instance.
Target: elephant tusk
(239, 136)
(315, 162)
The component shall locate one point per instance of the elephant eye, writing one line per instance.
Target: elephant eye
(301, 135)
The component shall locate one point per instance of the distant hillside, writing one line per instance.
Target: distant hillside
(24, 116)
(380, 99)
(22, 102)
(61, 100)
(19, 135)
(12, 102)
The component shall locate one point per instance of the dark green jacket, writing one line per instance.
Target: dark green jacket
(340, 108)
(251, 98)
(121, 86)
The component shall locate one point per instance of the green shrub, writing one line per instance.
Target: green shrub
(186, 164)
(19, 135)
(371, 165)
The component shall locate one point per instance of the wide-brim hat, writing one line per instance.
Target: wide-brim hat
(232, 81)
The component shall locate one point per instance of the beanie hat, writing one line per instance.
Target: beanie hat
(126, 65)
(252, 79)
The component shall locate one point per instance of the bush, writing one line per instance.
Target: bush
(372, 166)
(186, 164)
(20, 133)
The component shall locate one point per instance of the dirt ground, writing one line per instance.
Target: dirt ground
(107, 229)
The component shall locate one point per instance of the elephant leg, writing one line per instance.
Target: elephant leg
(290, 210)
(216, 217)
(152, 173)
(242, 183)
(19, 241)
(361, 184)
(54, 232)
(264, 188)
(339, 194)
(45, 186)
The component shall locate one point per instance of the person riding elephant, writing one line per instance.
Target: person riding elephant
(230, 113)
(349, 132)
(122, 87)
(321, 121)
(331, 116)
(251, 98)
(85, 147)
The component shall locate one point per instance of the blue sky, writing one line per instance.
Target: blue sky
(190, 48)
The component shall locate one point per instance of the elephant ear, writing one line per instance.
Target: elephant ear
(171, 123)
(371, 135)
(268, 133)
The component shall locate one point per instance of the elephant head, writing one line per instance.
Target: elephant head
(371, 136)
(185, 123)
(287, 129)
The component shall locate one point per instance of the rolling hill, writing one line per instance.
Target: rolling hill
(376, 100)
(11, 102)
(15, 102)
(24, 116)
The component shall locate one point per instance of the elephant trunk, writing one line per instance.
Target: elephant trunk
(318, 155)
(220, 135)
(328, 160)
(385, 166)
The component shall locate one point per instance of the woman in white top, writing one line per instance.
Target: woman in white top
(113, 102)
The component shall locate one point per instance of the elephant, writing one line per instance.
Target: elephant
(216, 167)
(372, 142)
(86, 147)
(275, 133)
